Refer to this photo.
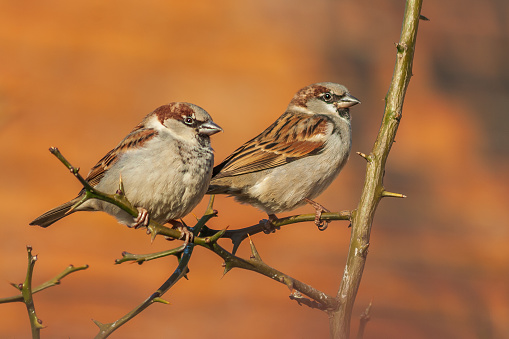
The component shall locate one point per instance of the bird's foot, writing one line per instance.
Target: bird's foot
(142, 219)
(268, 225)
(187, 235)
(321, 224)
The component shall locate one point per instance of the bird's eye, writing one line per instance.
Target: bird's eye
(327, 97)
(188, 120)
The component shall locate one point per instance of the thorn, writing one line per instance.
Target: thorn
(120, 190)
(153, 233)
(366, 315)
(254, 252)
(423, 18)
(98, 323)
(363, 155)
(161, 300)
(210, 206)
(214, 238)
(227, 268)
(236, 245)
(392, 195)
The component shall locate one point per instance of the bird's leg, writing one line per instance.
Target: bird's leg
(142, 219)
(321, 224)
(187, 235)
(268, 226)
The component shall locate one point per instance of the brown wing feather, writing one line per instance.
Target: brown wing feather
(284, 141)
(136, 138)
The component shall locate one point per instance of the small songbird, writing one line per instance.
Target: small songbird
(165, 163)
(296, 158)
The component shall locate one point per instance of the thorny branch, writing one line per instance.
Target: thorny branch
(207, 238)
(106, 329)
(339, 307)
(26, 291)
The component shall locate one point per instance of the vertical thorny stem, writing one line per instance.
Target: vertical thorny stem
(374, 191)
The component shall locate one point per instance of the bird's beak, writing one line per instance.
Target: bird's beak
(347, 100)
(209, 128)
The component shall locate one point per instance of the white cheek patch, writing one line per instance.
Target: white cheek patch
(331, 108)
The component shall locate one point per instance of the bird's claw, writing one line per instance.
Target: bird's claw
(186, 234)
(142, 219)
(321, 224)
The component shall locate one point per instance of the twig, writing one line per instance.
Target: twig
(106, 329)
(118, 199)
(209, 240)
(141, 258)
(301, 300)
(256, 264)
(50, 283)
(373, 191)
(364, 318)
(239, 235)
(26, 292)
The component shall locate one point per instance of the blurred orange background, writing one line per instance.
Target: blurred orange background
(80, 74)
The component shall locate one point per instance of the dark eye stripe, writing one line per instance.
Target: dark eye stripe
(334, 98)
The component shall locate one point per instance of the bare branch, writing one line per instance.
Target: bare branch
(208, 240)
(26, 291)
(373, 191)
(239, 235)
(141, 258)
(50, 283)
(364, 318)
(106, 329)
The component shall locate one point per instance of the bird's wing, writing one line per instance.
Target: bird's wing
(135, 139)
(293, 136)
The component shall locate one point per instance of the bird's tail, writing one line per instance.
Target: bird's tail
(55, 214)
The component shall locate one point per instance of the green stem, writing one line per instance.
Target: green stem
(50, 283)
(26, 292)
(239, 235)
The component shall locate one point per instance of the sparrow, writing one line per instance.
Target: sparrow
(296, 158)
(165, 163)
